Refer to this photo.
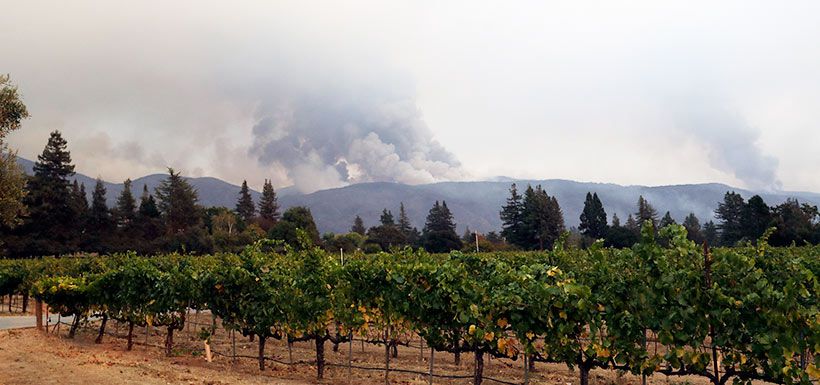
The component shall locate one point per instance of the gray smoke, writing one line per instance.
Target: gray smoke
(345, 136)
(731, 143)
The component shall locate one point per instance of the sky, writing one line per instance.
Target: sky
(324, 94)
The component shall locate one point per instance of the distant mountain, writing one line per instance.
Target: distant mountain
(474, 204)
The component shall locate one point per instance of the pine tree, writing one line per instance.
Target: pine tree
(616, 222)
(126, 206)
(386, 218)
(148, 206)
(245, 207)
(667, 220)
(646, 212)
(51, 226)
(693, 231)
(710, 234)
(512, 218)
(730, 213)
(593, 218)
(358, 226)
(632, 224)
(177, 201)
(268, 204)
(439, 233)
(404, 222)
(79, 202)
(757, 217)
(99, 217)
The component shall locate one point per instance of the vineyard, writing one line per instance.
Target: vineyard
(665, 307)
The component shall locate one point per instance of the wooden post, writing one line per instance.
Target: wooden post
(430, 378)
(387, 356)
(350, 359)
(208, 355)
(38, 314)
(233, 345)
(526, 370)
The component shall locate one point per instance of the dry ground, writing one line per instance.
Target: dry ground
(28, 356)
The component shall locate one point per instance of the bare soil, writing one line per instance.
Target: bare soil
(29, 356)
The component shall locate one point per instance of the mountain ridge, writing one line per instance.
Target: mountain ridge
(475, 204)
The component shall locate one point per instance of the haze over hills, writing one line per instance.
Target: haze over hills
(474, 204)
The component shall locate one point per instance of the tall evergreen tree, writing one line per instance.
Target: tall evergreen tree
(268, 205)
(79, 202)
(667, 220)
(710, 234)
(148, 206)
(795, 223)
(245, 208)
(358, 226)
(51, 226)
(512, 218)
(126, 206)
(730, 213)
(439, 233)
(593, 218)
(177, 201)
(646, 212)
(757, 217)
(404, 222)
(693, 231)
(632, 224)
(99, 218)
(386, 219)
(616, 222)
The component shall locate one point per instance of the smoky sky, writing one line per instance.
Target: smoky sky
(322, 94)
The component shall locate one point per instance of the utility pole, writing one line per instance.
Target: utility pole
(476, 241)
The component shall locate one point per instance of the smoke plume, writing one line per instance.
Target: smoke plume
(336, 139)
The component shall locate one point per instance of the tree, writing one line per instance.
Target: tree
(404, 222)
(616, 222)
(12, 108)
(79, 203)
(730, 213)
(358, 226)
(12, 178)
(439, 233)
(386, 218)
(387, 234)
(692, 225)
(667, 220)
(646, 212)
(245, 207)
(593, 218)
(268, 206)
(297, 217)
(125, 212)
(512, 218)
(177, 203)
(543, 221)
(148, 223)
(756, 218)
(51, 227)
(100, 222)
(710, 234)
(632, 224)
(12, 188)
(794, 222)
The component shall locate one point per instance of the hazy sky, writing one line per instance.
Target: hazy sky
(321, 94)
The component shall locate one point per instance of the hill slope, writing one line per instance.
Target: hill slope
(474, 204)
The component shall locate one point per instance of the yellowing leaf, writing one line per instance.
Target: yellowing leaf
(502, 322)
(471, 330)
(489, 336)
